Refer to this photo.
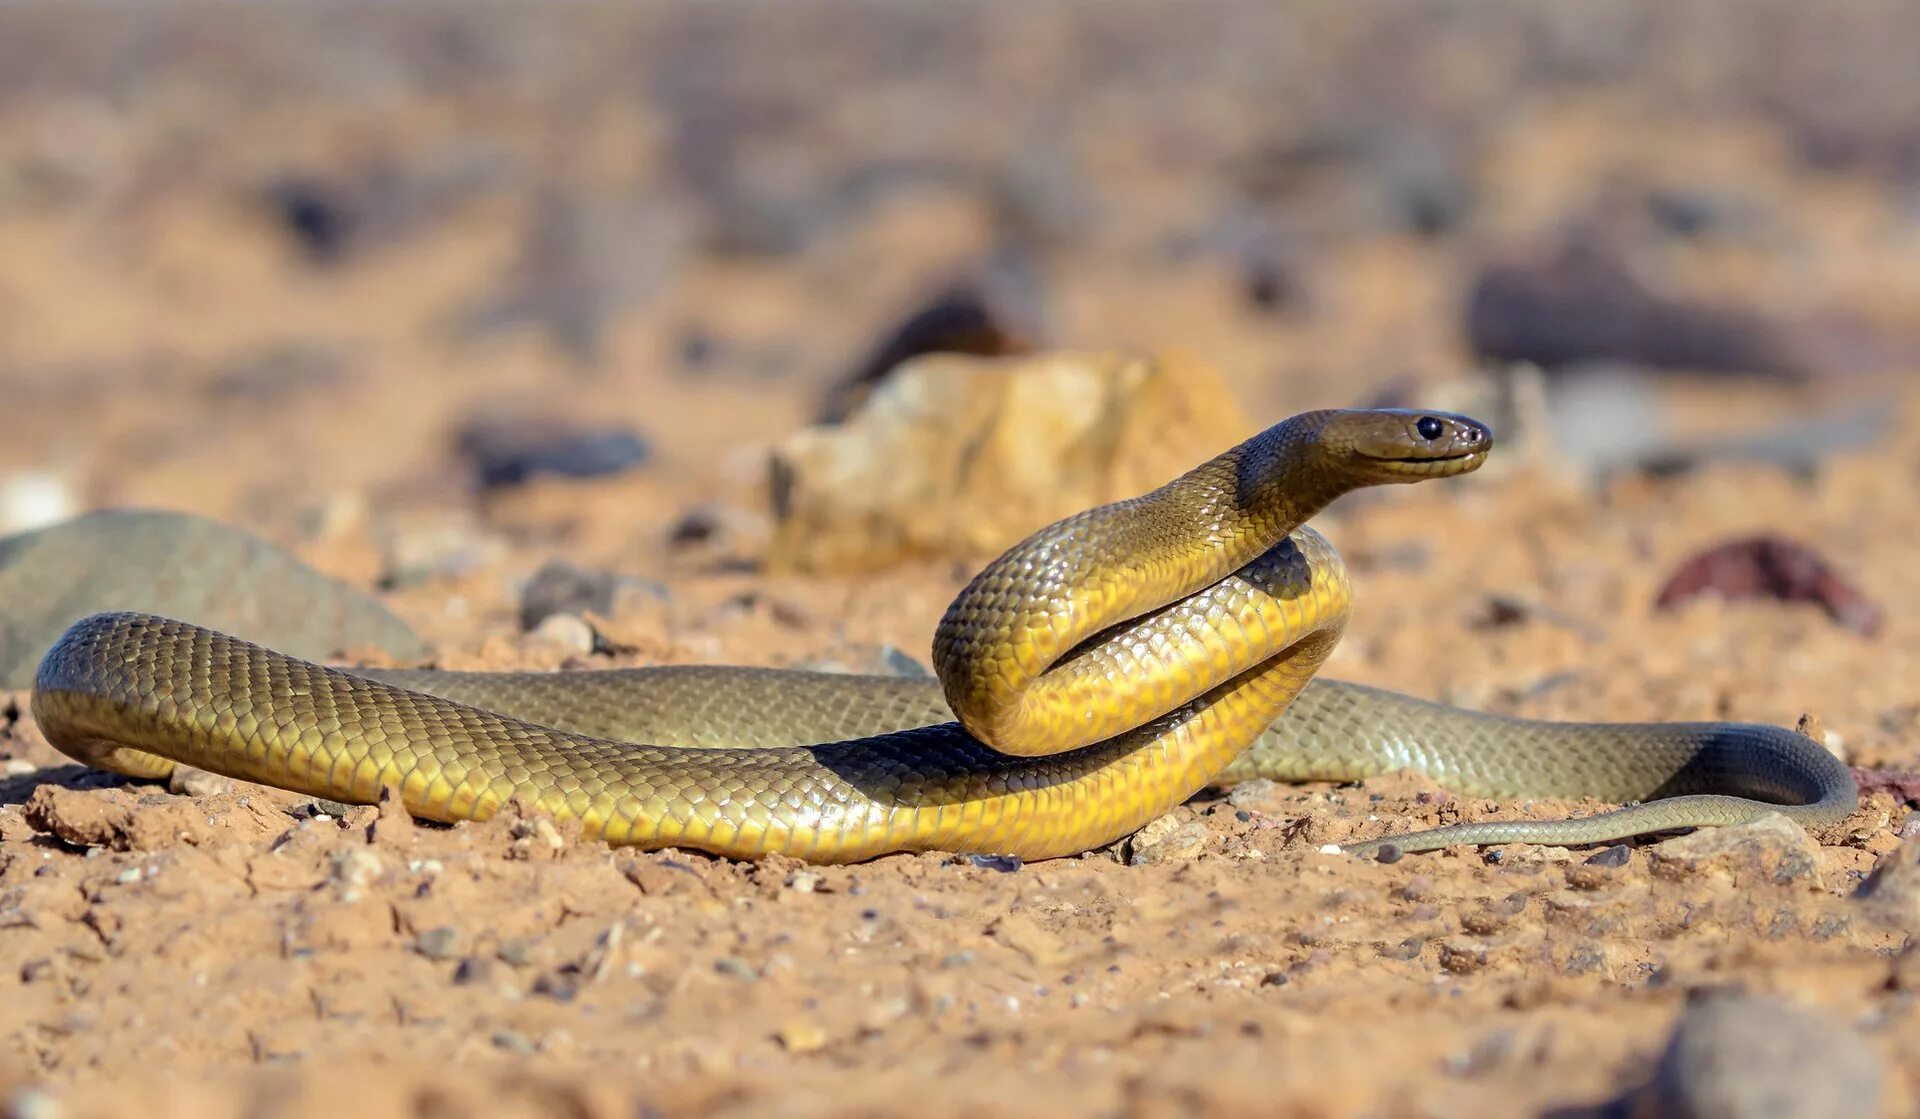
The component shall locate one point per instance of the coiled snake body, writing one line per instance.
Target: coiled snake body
(1094, 676)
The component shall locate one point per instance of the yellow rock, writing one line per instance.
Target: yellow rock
(957, 456)
(802, 1037)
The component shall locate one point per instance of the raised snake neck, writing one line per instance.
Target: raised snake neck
(1101, 672)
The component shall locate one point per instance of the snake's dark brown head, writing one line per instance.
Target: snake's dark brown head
(1398, 445)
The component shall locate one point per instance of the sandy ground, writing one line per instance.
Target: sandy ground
(240, 953)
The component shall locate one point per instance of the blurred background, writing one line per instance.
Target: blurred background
(579, 335)
(333, 272)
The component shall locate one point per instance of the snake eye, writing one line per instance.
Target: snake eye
(1429, 428)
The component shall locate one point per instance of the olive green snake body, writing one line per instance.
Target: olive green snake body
(1094, 676)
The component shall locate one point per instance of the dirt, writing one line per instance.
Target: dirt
(248, 952)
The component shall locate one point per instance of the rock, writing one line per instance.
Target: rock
(190, 782)
(1770, 567)
(180, 567)
(1582, 305)
(321, 218)
(1738, 1056)
(1772, 847)
(802, 1037)
(510, 450)
(963, 319)
(353, 870)
(441, 943)
(1168, 839)
(561, 588)
(716, 527)
(567, 632)
(1891, 894)
(473, 969)
(958, 456)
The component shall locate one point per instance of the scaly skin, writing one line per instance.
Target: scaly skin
(1102, 671)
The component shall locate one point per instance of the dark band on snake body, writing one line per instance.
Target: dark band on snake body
(1092, 677)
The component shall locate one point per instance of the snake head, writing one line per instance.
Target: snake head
(1401, 445)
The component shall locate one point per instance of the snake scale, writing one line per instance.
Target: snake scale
(1092, 677)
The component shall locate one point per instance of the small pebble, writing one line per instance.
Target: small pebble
(557, 985)
(437, 944)
(898, 662)
(567, 632)
(1617, 855)
(1005, 864)
(31, 1103)
(473, 969)
(736, 968)
(1168, 839)
(511, 452)
(353, 870)
(802, 1037)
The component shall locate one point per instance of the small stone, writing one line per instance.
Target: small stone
(319, 810)
(567, 632)
(512, 1042)
(804, 881)
(1168, 839)
(31, 1103)
(472, 970)
(17, 767)
(353, 870)
(511, 451)
(1407, 949)
(515, 951)
(561, 588)
(1617, 855)
(1772, 847)
(559, 986)
(1738, 1056)
(802, 1037)
(1005, 864)
(437, 943)
(34, 971)
(735, 968)
(1891, 894)
(531, 833)
(190, 782)
(898, 662)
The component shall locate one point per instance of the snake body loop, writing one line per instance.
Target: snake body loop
(1092, 677)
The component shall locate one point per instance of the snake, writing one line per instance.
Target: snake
(1091, 678)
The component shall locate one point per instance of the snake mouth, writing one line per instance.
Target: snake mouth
(1419, 462)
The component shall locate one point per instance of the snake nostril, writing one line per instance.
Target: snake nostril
(1429, 428)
